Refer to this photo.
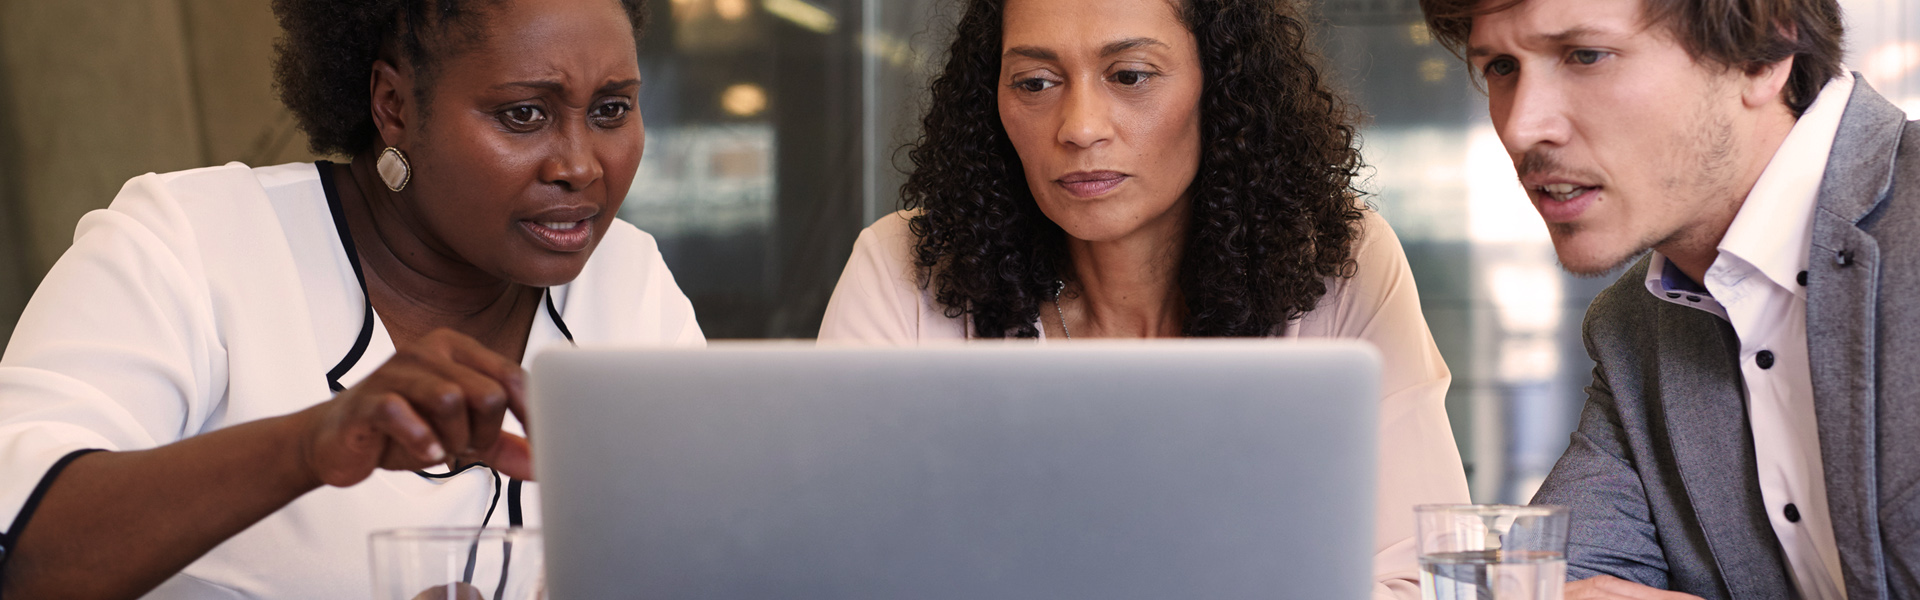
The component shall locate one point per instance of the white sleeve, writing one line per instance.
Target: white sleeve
(1419, 463)
(878, 300)
(117, 350)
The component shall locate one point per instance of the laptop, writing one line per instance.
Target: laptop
(1177, 469)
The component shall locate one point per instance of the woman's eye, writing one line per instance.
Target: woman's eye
(524, 115)
(1034, 85)
(1586, 57)
(1131, 78)
(611, 111)
(1501, 67)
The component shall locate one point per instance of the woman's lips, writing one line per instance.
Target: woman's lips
(560, 236)
(1091, 184)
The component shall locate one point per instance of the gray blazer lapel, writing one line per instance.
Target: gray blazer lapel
(1842, 288)
(1703, 401)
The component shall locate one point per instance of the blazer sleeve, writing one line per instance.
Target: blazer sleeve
(1612, 531)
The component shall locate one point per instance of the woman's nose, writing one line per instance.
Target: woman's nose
(573, 164)
(1086, 117)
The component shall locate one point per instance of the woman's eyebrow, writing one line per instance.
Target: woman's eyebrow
(615, 86)
(543, 85)
(1129, 44)
(1112, 48)
(557, 87)
(1033, 52)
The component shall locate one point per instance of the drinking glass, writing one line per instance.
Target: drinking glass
(1491, 552)
(457, 563)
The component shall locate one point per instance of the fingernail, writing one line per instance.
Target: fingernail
(436, 453)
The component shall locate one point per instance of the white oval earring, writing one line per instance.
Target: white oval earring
(394, 169)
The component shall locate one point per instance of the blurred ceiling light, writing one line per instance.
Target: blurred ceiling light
(1418, 34)
(1433, 70)
(1527, 292)
(731, 10)
(743, 100)
(806, 15)
(1887, 64)
(894, 51)
(1529, 358)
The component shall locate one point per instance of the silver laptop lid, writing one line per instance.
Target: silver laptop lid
(1212, 469)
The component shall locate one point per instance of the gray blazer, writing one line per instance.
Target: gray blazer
(1661, 473)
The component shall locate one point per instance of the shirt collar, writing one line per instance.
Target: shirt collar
(1773, 232)
(1667, 282)
(1774, 229)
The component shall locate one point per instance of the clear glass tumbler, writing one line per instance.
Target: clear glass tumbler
(457, 563)
(1491, 552)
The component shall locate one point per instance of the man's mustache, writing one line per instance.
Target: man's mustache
(1544, 162)
(1538, 162)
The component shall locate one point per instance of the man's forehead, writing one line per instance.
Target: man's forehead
(1552, 22)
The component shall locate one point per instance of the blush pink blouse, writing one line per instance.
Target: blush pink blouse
(879, 302)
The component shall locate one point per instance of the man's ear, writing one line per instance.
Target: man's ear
(392, 89)
(1767, 84)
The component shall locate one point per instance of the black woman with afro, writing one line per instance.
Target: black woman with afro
(237, 373)
(1154, 168)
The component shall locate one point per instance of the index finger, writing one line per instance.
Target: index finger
(472, 354)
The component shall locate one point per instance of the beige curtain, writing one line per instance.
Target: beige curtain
(97, 92)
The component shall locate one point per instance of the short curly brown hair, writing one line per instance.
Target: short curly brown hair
(1274, 209)
(327, 53)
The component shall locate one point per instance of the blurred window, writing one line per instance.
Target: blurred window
(773, 135)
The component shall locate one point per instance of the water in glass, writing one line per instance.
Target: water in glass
(1493, 575)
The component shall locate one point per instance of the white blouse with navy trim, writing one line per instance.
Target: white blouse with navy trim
(206, 298)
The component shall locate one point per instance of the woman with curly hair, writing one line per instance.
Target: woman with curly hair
(1154, 168)
(236, 374)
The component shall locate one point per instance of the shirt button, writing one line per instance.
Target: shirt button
(1801, 278)
(1793, 514)
(1765, 360)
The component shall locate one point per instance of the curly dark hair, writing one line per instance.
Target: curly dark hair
(327, 55)
(1274, 209)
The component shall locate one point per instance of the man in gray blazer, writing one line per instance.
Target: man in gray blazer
(1753, 427)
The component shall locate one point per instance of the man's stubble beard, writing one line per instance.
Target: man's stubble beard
(1709, 148)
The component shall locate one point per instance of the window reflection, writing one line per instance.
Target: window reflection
(704, 179)
(1883, 44)
(773, 130)
(753, 180)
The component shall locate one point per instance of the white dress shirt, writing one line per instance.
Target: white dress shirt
(879, 301)
(1757, 285)
(207, 298)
